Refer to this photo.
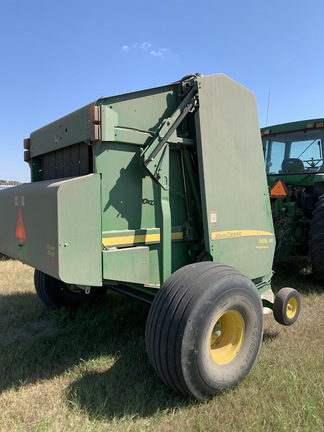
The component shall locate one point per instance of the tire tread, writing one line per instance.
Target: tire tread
(172, 304)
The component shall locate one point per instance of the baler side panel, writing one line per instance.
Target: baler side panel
(130, 199)
(55, 227)
(131, 209)
(29, 226)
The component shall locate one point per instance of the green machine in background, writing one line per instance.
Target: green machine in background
(161, 195)
(294, 163)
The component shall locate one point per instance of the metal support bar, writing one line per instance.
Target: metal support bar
(165, 224)
(146, 295)
(267, 303)
(192, 181)
(158, 168)
(163, 134)
(184, 113)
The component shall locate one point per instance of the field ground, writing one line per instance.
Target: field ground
(87, 370)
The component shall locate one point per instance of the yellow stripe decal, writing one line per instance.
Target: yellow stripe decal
(139, 238)
(221, 235)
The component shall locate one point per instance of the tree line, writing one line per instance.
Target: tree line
(10, 182)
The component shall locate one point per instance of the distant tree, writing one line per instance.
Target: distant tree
(10, 182)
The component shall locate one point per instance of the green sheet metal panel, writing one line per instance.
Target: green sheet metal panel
(144, 109)
(127, 265)
(237, 218)
(28, 225)
(130, 204)
(54, 226)
(70, 129)
(79, 231)
(306, 179)
(292, 126)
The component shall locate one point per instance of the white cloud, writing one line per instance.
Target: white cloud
(156, 53)
(147, 47)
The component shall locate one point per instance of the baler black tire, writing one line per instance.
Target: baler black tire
(55, 293)
(287, 306)
(316, 239)
(182, 321)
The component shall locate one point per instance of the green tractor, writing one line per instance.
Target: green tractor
(293, 155)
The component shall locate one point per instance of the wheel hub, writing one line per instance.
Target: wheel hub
(227, 337)
(292, 308)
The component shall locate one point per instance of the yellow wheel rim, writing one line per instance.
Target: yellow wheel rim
(227, 337)
(292, 307)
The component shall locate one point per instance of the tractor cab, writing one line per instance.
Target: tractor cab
(294, 148)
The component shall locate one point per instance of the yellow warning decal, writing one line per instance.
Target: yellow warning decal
(137, 238)
(222, 235)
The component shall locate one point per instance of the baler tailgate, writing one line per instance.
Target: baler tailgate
(232, 177)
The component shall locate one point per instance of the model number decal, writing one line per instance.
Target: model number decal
(263, 240)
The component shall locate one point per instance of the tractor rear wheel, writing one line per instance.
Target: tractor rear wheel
(316, 239)
(55, 293)
(204, 329)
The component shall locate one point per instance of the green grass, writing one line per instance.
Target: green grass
(86, 369)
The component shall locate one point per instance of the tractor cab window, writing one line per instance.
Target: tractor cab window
(293, 152)
(275, 153)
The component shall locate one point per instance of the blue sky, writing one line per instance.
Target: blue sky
(58, 56)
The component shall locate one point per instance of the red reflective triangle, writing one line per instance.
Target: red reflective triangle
(20, 228)
(279, 190)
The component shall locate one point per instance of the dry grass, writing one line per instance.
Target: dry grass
(87, 370)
